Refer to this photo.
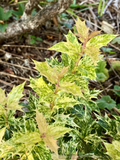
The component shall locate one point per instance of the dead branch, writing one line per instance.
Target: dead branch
(28, 8)
(22, 26)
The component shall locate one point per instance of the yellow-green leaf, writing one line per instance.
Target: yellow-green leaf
(3, 98)
(49, 133)
(41, 122)
(100, 40)
(57, 131)
(50, 73)
(14, 97)
(42, 89)
(71, 88)
(112, 150)
(30, 157)
(71, 38)
(2, 109)
(72, 47)
(65, 102)
(93, 53)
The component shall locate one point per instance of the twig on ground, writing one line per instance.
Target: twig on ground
(11, 75)
(94, 17)
(107, 5)
(18, 66)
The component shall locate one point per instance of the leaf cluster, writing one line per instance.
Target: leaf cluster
(58, 120)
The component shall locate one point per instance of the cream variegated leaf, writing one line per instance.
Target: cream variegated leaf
(82, 29)
(71, 88)
(113, 150)
(95, 43)
(50, 73)
(14, 97)
(100, 40)
(49, 133)
(30, 157)
(42, 89)
(2, 109)
(57, 131)
(72, 47)
(93, 53)
(73, 39)
(3, 98)
(2, 132)
(28, 138)
(94, 33)
(64, 102)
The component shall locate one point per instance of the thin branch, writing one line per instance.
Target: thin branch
(28, 8)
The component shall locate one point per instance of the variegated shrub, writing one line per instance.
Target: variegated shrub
(56, 123)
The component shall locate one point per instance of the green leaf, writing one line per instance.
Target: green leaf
(20, 11)
(32, 41)
(106, 102)
(116, 87)
(3, 27)
(7, 15)
(39, 39)
(116, 40)
(21, 8)
(1, 14)
(14, 97)
(101, 71)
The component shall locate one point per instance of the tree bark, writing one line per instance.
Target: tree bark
(28, 8)
(33, 22)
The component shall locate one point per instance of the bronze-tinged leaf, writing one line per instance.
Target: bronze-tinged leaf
(51, 143)
(41, 122)
(82, 30)
(94, 33)
(63, 71)
(74, 157)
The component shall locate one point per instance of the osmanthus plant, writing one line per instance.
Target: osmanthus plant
(58, 122)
